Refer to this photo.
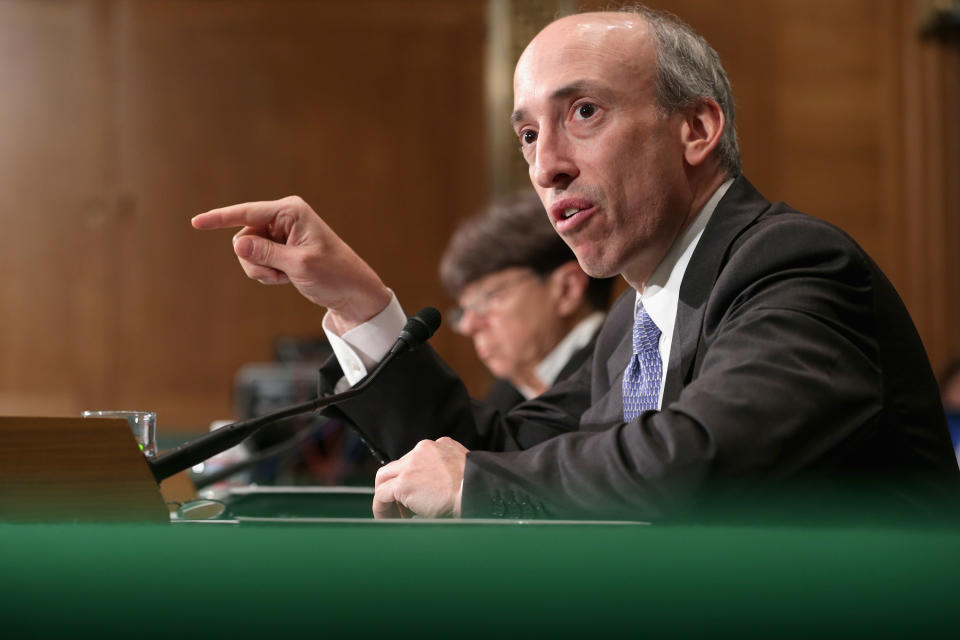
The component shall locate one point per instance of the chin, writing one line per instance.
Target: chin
(596, 267)
(500, 373)
(495, 369)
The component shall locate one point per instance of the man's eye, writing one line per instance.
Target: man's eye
(586, 110)
(528, 136)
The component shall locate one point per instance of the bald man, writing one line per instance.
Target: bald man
(760, 354)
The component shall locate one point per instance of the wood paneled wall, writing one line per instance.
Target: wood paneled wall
(120, 120)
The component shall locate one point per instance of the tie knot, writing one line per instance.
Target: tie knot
(646, 333)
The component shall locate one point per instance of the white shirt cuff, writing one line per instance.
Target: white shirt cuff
(361, 348)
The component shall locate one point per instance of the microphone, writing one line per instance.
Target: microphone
(418, 330)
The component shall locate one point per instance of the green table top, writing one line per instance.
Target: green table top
(423, 578)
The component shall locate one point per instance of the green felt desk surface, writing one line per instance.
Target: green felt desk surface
(475, 580)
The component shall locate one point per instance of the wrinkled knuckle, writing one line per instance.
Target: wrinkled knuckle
(401, 494)
(256, 251)
(300, 262)
(294, 201)
(249, 269)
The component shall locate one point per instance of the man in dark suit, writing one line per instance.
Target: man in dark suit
(531, 311)
(761, 353)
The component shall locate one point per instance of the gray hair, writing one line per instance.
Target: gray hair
(688, 70)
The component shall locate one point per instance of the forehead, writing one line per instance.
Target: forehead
(592, 50)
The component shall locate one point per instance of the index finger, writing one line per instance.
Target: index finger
(247, 214)
(387, 472)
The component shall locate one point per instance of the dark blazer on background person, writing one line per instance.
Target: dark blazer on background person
(793, 362)
(503, 396)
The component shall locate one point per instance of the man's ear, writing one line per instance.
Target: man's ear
(701, 130)
(568, 284)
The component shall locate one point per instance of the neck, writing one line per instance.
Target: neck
(575, 318)
(700, 190)
(706, 189)
(528, 378)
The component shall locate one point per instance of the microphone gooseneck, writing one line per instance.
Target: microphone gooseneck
(418, 330)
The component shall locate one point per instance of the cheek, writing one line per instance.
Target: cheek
(541, 193)
(517, 338)
(510, 334)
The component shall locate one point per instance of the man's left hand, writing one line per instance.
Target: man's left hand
(425, 482)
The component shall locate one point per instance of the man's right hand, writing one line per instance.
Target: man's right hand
(286, 241)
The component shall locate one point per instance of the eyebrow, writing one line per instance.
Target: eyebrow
(579, 86)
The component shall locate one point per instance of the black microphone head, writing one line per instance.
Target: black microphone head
(420, 327)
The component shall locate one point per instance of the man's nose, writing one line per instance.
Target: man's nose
(553, 166)
(468, 323)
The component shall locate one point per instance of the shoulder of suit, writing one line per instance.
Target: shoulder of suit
(782, 230)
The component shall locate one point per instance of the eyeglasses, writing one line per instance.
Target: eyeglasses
(485, 301)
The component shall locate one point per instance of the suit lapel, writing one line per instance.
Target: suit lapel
(613, 350)
(622, 318)
(739, 207)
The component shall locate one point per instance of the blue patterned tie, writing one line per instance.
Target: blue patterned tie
(641, 380)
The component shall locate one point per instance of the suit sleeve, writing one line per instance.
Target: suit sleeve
(418, 397)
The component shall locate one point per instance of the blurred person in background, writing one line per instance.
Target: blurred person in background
(531, 311)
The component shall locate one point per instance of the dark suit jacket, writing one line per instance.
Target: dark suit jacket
(503, 396)
(794, 365)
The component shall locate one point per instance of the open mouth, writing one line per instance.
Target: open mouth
(563, 211)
